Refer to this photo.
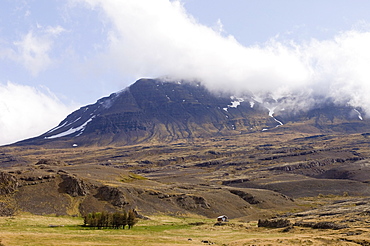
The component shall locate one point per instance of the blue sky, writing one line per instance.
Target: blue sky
(57, 55)
(254, 22)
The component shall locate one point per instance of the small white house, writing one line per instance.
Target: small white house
(222, 218)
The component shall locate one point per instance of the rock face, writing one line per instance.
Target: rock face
(112, 195)
(157, 111)
(192, 202)
(246, 196)
(51, 162)
(8, 183)
(73, 186)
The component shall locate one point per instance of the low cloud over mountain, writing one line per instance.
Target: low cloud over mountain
(157, 38)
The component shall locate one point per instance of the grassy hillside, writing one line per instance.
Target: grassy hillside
(29, 229)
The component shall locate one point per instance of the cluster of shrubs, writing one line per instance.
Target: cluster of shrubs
(117, 220)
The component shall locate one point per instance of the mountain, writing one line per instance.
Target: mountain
(175, 148)
(155, 111)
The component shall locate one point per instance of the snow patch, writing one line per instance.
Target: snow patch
(68, 132)
(234, 103)
(71, 130)
(271, 114)
(73, 121)
(58, 127)
(359, 114)
(280, 123)
(271, 111)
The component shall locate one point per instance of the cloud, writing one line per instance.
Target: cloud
(153, 38)
(33, 53)
(27, 112)
(34, 48)
(339, 68)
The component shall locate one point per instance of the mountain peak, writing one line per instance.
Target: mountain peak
(154, 110)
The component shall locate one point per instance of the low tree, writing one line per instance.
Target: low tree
(110, 220)
(131, 219)
(116, 217)
(123, 220)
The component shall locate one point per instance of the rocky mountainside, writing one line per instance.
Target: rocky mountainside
(155, 111)
(175, 148)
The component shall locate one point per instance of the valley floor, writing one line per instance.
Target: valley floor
(348, 212)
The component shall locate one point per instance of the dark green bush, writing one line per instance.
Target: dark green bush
(117, 220)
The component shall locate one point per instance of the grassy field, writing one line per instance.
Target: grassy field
(160, 230)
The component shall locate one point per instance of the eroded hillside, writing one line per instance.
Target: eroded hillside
(250, 175)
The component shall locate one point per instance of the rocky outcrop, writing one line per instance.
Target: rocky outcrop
(7, 209)
(73, 186)
(8, 183)
(314, 164)
(321, 225)
(192, 202)
(274, 223)
(51, 162)
(112, 195)
(246, 196)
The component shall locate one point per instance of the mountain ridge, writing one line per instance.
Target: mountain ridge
(154, 111)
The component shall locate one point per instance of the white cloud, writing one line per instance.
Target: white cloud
(34, 48)
(340, 67)
(27, 112)
(33, 53)
(54, 30)
(153, 38)
(158, 38)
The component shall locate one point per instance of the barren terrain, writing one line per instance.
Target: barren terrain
(303, 177)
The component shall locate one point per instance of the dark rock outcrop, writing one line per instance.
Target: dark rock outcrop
(73, 186)
(192, 202)
(8, 183)
(112, 195)
(274, 223)
(246, 196)
(321, 225)
(51, 162)
(7, 209)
